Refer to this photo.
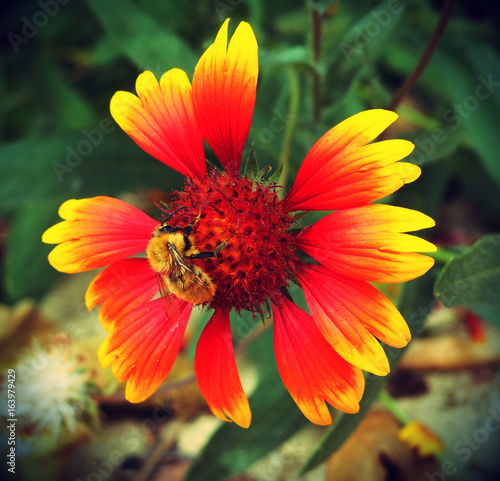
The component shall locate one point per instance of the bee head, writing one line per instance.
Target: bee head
(168, 229)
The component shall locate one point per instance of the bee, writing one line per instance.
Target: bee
(171, 251)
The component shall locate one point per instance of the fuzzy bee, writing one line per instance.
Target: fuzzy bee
(171, 251)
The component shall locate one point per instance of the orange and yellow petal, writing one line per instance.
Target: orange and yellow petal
(311, 370)
(367, 243)
(416, 436)
(120, 288)
(97, 232)
(217, 373)
(342, 171)
(142, 346)
(160, 119)
(351, 314)
(224, 88)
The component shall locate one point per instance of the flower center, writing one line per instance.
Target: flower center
(244, 224)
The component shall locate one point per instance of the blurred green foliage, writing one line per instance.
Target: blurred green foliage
(63, 60)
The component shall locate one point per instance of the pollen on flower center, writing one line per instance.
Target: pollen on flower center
(245, 224)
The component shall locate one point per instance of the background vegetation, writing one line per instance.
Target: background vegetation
(320, 62)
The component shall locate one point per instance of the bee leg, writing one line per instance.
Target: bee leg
(189, 228)
(206, 255)
(202, 255)
(219, 247)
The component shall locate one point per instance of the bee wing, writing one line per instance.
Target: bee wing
(196, 277)
(168, 300)
(189, 275)
(203, 285)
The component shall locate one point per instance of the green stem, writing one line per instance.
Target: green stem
(392, 406)
(442, 256)
(291, 121)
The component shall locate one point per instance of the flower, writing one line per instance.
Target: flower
(53, 389)
(229, 242)
(419, 437)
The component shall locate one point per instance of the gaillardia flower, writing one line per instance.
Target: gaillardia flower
(229, 242)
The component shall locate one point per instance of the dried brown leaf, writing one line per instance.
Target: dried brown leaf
(374, 453)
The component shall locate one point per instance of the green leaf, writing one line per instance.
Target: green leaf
(482, 122)
(60, 168)
(344, 425)
(474, 89)
(27, 270)
(467, 79)
(275, 417)
(298, 56)
(262, 172)
(69, 110)
(104, 52)
(251, 165)
(360, 46)
(415, 303)
(141, 39)
(472, 277)
(96, 161)
(275, 176)
(434, 145)
(197, 322)
(3, 107)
